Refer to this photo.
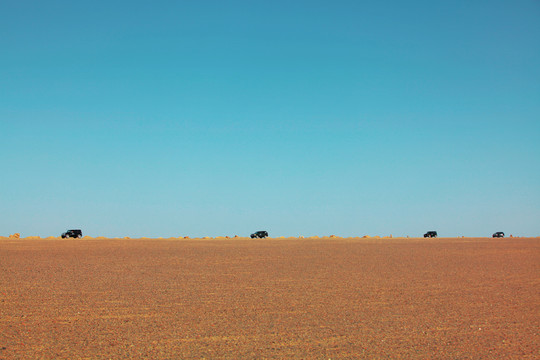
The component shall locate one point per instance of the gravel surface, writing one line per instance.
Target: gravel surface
(446, 298)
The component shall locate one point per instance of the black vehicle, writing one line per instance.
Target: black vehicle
(259, 234)
(431, 234)
(72, 233)
(498, 234)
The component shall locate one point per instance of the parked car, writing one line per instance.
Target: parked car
(431, 234)
(498, 234)
(259, 234)
(72, 234)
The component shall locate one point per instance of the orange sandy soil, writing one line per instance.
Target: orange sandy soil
(459, 298)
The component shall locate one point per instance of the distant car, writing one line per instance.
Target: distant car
(498, 234)
(72, 234)
(431, 234)
(259, 234)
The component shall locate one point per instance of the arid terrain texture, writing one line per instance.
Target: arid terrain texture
(325, 298)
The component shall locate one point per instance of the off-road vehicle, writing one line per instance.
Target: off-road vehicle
(72, 233)
(498, 234)
(259, 234)
(431, 234)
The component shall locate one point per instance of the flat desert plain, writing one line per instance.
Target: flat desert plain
(326, 298)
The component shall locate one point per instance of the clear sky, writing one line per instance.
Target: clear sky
(209, 118)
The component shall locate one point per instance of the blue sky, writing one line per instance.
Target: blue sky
(208, 118)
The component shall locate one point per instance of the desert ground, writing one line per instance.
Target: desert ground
(293, 298)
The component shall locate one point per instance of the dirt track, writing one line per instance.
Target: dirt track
(287, 298)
